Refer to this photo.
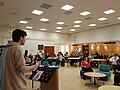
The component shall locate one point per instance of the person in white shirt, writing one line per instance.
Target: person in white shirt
(114, 59)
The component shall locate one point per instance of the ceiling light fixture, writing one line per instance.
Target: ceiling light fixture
(67, 7)
(58, 31)
(102, 19)
(72, 30)
(76, 26)
(29, 27)
(92, 25)
(77, 21)
(85, 13)
(24, 22)
(60, 23)
(118, 18)
(109, 11)
(37, 12)
(58, 27)
(44, 19)
(43, 29)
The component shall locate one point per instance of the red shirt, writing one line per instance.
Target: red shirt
(85, 64)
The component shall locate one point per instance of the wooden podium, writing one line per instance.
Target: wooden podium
(48, 79)
(53, 83)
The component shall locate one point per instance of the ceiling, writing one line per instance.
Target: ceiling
(13, 11)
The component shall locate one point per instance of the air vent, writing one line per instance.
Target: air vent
(109, 42)
(67, 12)
(28, 19)
(17, 26)
(82, 28)
(45, 6)
(88, 18)
(106, 23)
(1, 4)
(13, 13)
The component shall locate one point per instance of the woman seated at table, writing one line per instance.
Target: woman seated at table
(117, 74)
(85, 64)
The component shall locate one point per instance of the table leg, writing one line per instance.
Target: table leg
(94, 81)
(32, 84)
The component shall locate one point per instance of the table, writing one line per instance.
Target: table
(52, 59)
(109, 87)
(94, 75)
(73, 60)
(99, 61)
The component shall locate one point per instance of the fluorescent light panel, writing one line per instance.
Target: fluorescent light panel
(118, 18)
(58, 27)
(77, 21)
(58, 31)
(92, 25)
(43, 29)
(24, 22)
(60, 23)
(85, 13)
(102, 19)
(109, 11)
(72, 29)
(29, 27)
(67, 7)
(37, 12)
(76, 26)
(44, 19)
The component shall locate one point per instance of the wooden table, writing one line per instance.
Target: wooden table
(99, 61)
(94, 75)
(109, 87)
(73, 60)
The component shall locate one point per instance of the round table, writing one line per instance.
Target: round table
(109, 87)
(94, 75)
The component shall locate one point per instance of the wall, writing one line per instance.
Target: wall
(110, 33)
(35, 38)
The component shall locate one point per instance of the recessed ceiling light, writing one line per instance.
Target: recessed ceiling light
(58, 31)
(85, 13)
(76, 26)
(24, 22)
(92, 25)
(109, 11)
(72, 29)
(77, 21)
(60, 23)
(58, 27)
(44, 19)
(67, 7)
(118, 18)
(37, 12)
(102, 19)
(29, 27)
(43, 29)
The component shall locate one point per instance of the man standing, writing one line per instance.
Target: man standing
(12, 64)
(114, 59)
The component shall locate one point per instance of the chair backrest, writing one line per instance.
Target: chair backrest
(104, 67)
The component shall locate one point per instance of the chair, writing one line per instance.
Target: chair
(82, 73)
(105, 69)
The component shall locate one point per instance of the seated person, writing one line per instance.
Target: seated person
(117, 74)
(85, 64)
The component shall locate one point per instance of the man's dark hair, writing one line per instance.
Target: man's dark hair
(17, 33)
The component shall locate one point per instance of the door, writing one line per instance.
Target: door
(49, 50)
